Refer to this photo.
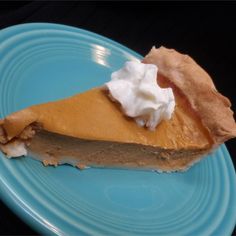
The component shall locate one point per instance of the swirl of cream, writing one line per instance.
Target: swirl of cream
(135, 87)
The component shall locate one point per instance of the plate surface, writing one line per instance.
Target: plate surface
(43, 62)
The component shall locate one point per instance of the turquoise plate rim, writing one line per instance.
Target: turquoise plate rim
(21, 209)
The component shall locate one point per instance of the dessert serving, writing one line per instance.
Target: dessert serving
(163, 113)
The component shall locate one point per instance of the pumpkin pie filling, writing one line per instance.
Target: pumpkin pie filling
(135, 147)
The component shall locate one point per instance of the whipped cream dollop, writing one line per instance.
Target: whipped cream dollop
(135, 87)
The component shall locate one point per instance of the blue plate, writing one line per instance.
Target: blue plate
(42, 62)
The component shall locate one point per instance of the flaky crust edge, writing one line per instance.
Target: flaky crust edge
(197, 86)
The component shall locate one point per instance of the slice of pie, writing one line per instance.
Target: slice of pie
(89, 129)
